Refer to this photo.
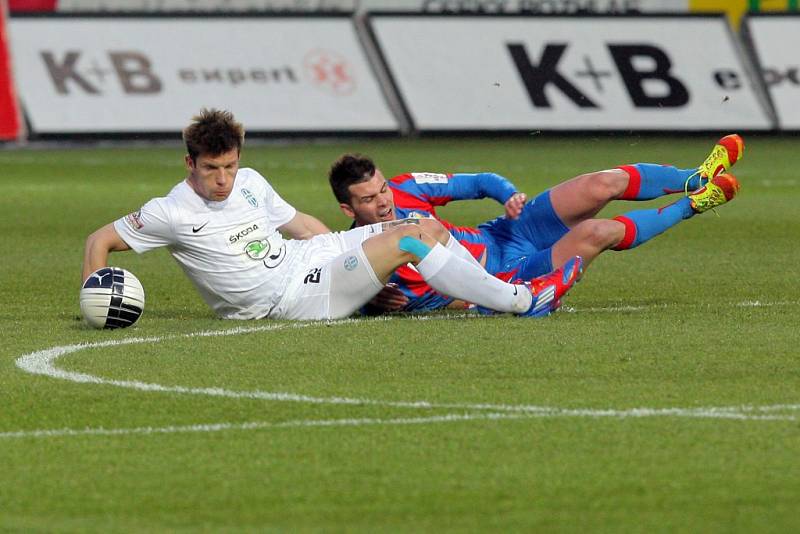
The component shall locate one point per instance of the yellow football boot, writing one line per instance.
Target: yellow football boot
(725, 154)
(721, 189)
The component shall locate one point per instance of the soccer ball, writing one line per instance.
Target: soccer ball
(112, 298)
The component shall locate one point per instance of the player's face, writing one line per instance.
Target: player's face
(371, 201)
(212, 177)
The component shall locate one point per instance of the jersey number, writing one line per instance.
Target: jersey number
(313, 276)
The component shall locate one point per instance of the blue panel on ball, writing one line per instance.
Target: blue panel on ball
(101, 278)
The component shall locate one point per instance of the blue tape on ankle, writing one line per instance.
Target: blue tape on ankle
(413, 246)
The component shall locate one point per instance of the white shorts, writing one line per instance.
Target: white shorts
(335, 280)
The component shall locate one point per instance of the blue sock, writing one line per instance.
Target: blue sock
(648, 181)
(643, 225)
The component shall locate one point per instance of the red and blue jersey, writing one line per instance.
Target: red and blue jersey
(418, 195)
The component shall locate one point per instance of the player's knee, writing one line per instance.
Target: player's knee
(606, 185)
(600, 234)
(410, 226)
(412, 240)
(435, 229)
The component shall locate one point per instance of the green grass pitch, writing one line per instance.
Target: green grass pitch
(664, 398)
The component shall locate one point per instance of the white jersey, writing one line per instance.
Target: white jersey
(231, 250)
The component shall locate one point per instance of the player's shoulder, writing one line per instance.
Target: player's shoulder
(181, 200)
(430, 177)
(419, 178)
(400, 178)
(251, 179)
(179, 195)
(411, 180)
(249, 174)
(152, 213)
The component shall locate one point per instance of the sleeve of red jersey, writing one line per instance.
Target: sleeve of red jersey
(439, 189)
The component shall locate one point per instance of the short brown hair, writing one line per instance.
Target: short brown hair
(348, 170)
(213, 132)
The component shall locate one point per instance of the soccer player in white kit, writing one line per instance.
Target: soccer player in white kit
(225, 227)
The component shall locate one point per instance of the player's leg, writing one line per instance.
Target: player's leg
(648, 181)
(541, 239)
(331, 283)
(643, 225)
(588, 239)
(584, 196)
(353, 283)
(341, 285)
(339, 278)
(520, 248)
(423, 244)
(591, 237)
(382, 246)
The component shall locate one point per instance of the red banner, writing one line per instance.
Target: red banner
(32, 5)
(10, 123)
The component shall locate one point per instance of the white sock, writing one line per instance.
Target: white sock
(454, 246)
(461, 279)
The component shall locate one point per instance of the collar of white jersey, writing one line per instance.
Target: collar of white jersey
(210, 204)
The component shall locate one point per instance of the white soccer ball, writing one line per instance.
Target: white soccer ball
(112, 298)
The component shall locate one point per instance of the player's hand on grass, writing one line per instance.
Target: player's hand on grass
(515, 204)
(389, 299)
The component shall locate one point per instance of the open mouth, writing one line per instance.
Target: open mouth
(386, 215)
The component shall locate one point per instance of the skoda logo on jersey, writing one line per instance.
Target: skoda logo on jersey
(257, 250)
(250, 198)
(233, 238)
(350, 263)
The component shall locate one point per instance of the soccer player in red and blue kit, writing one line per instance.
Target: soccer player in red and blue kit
(533, 236)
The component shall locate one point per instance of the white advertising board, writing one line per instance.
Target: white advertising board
(570, 73)
(118, 74)
(776, 42)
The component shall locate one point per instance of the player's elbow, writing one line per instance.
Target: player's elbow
(98, 245)
(97, 242)
(105, 240)
(92, 241)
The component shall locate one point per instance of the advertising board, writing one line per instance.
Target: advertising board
(570, 73)
(776, 40)
(151, 74)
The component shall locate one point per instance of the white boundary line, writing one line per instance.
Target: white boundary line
(43, 363)
(256, 425)
(305, 423)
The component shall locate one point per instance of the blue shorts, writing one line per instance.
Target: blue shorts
(524, 246)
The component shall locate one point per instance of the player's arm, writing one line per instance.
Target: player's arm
(439, 189)
(303, 226)
(490, 185)
(98, 246)
(390, 298)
